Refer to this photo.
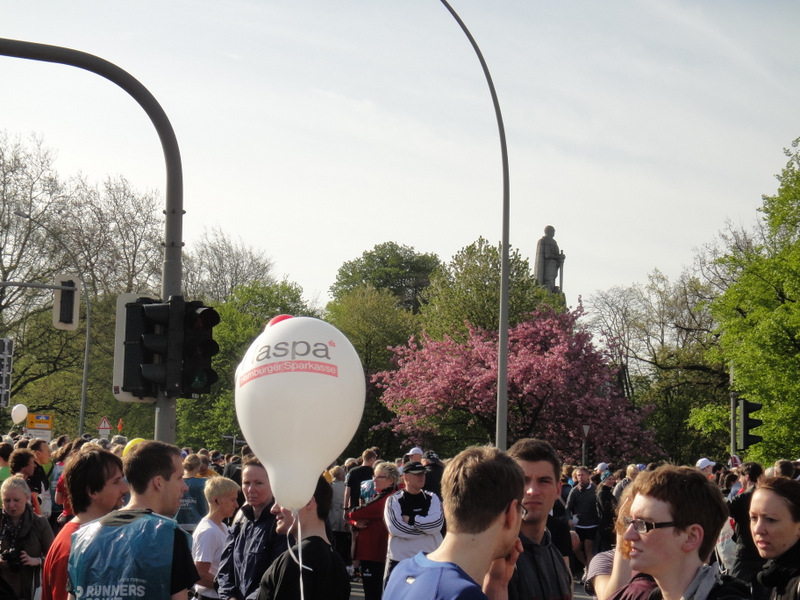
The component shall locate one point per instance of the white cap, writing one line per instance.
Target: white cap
(416, 450)
(704, 462)
(601, 467)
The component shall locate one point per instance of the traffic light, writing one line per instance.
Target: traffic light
(198, 349)
(131, 326)
(747, 423)
(153, 337)
(66, 305)
(163, 338)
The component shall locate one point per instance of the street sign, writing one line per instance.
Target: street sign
(40, 422)
(104, 428)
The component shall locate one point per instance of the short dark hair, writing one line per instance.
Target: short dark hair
(147, 460)
(36, 444)
(87, 472)
(19, 459)
(323, 494)
(252, 461)
(533, 450)
(478, 485)
(5, 450)
(692, 499)
(752, 469)
(785, 467)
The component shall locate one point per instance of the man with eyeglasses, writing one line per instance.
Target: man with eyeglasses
(413, 517)
(675, 517)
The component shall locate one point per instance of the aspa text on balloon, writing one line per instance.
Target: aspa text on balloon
(297, 349)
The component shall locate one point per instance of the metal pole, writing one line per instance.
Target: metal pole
(734, 401)
(585, 445)
(73, 258)
(173, 243)
(501, 433)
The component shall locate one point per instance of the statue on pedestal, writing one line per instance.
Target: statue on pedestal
(549, 262)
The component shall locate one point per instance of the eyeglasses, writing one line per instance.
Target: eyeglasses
(380, 477)
(642, 526)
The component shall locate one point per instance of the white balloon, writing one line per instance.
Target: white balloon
(19, 413)
(299, 392)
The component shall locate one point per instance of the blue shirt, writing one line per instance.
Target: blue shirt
(420, 578)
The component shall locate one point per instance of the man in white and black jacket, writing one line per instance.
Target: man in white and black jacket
(413, 517)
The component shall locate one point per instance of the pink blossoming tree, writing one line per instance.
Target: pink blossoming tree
(444, 393)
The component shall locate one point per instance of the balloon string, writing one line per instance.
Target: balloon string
(299, 558)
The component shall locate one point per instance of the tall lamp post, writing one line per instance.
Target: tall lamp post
(73, 258)
(501, 426)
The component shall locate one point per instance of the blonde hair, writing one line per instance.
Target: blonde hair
(219, 486)
(16, 482)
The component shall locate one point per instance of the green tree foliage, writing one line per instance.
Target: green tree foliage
(759, 317)
(467, 290)
(399, 269)
(374, 320)
(204, 420)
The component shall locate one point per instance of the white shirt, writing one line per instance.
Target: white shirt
(208, 541)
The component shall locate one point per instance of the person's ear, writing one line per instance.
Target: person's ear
(512, 515)
(694, 537)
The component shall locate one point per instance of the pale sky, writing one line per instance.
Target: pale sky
(317, 129)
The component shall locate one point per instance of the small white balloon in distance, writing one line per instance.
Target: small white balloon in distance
(299, 392)
(19, 413)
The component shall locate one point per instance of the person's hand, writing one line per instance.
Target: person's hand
(29, 561)
(495, 584)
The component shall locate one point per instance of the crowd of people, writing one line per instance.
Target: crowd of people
(102, 519)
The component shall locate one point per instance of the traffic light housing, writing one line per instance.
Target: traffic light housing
(152, 355)
(132, 351)
(198, 349)
(163, 338)
(66, 303)
(748, 423)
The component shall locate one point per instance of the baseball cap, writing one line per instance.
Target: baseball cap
(414, 467)
(601, 467)
(415, 450)
(704, 462)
